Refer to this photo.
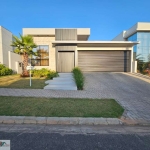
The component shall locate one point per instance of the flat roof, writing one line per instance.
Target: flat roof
(82, 33)
(97, 43)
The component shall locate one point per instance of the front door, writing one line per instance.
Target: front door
(65, 61)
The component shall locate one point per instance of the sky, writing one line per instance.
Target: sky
(105, 18)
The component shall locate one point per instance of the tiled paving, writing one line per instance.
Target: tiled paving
(132, 93)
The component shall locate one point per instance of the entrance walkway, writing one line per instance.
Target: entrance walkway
(65, 81)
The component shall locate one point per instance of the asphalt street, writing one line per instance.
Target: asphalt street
(31, 137)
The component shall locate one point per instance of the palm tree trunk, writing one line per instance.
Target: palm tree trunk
(25, 72)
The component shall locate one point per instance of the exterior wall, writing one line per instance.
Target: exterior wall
(14, 60)
(134, 66)
(82, 33)
(65, 35)
(1, 53)
(52, 58)
(39, 31)
(104, 48)
(5, 41)
(120, 37)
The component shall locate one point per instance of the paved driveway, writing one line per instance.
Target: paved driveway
(132, 93)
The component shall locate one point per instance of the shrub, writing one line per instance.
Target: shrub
(44, 73)
(52, 74)
(2, 66)
(5, 70)
(79, 78)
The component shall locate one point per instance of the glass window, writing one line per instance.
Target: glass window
(143, 47)
(42, 58)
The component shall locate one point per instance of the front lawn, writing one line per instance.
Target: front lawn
(15, 81)
(59, 107)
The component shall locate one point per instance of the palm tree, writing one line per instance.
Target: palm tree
(24, 46)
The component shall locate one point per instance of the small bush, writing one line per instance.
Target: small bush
(2, 66)
(79, 78)
(49, 74)
(5, 70)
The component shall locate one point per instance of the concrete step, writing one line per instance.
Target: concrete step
(65, 81)
(60, 82)
(61, 79)
(55, 87)
(65, 74)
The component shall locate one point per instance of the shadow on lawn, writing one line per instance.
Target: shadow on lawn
(24, 83)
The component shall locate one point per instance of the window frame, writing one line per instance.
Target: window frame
(40, 59)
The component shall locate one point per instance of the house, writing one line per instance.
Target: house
(7, 57)
(63, 49)
(139, 32)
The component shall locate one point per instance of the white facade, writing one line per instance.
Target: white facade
(5, 42)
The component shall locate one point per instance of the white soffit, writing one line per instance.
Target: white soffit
(97, 43)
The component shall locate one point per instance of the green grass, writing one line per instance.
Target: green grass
(63, 107)
(15, 81)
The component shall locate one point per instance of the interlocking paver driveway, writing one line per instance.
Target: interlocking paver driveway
(132, 93)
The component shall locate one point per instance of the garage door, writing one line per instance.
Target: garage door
(113, 61)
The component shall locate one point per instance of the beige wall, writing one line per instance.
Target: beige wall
(134, 66)
(5, 41)
(104, 48)
(47, 41)
(14, 60)
(1, 58)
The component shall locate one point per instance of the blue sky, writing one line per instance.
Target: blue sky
(106, 18)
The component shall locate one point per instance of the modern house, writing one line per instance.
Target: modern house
(139, 32)
(63, 49)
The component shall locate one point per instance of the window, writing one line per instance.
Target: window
(43, 56)
(143, 47)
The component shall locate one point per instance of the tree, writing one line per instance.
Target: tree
(146, 66)
(140, 62)
(24, 46)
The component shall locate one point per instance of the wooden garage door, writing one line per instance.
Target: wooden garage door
(113, 61)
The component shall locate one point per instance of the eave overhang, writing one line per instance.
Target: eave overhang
(96, 43)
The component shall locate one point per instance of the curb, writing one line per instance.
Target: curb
(59, 120)
(71, 121)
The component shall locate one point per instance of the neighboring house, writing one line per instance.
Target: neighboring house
(139, 32)
(5, 41)
(7, 57)
(63, 49)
